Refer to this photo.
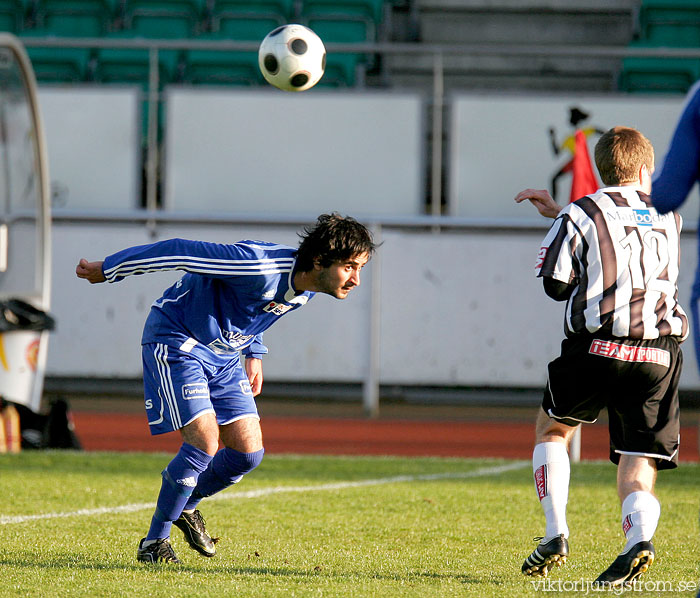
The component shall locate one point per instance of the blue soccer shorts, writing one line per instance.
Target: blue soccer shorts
(179, 388)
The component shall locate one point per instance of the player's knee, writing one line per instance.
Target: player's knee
(243, 435)
(202, 433)
(238, 464)
(548, 429)
(254, 459)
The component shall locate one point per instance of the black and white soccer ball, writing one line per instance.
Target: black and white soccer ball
(292, 58)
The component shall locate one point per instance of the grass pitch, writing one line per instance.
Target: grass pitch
(327, 527)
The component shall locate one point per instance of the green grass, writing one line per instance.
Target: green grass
(310, 533)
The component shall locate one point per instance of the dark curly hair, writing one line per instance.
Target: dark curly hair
(333, 238)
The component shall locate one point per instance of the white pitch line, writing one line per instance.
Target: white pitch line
(486, 471)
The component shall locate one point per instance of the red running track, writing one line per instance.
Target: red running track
(338, 436)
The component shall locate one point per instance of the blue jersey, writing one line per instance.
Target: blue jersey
(674, 180)
(229, 296)
(681, 166)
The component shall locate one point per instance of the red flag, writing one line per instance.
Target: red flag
(584, 181)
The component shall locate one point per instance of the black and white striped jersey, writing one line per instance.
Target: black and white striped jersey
(623, 256)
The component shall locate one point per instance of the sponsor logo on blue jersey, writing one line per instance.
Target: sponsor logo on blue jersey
(277, 308)
(237, 339)
(236, 342)
(642, 217)
(221, 348)
(198, 390)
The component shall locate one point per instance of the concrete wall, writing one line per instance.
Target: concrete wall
(93, 136)
(500, 143)
(246, 152)
(250, 152)
(457, 308)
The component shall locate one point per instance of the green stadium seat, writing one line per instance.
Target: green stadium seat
(64, 18)
(678, 36)
(351, 21)
(167, 19)
(334, 30)
(341, 70)
(654, 75)
(249, 28)
(674, 23)
(220, 67)
(657, 73)
(11, 16)
(73, 18)
(341, 30)
(60, 65)
(213, 67)
(372, 10)
(278, 8)
(249, 19)
(129, 65)
(132, 65)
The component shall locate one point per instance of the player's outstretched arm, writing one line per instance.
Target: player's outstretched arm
(90, 271)
(542, 200)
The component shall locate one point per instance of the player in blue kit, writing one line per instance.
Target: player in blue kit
(674, 180)
(678, 174)
(194, 380)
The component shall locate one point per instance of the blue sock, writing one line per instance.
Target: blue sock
(179, 480)
(226, 468)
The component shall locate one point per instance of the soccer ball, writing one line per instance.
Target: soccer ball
(292, 57)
